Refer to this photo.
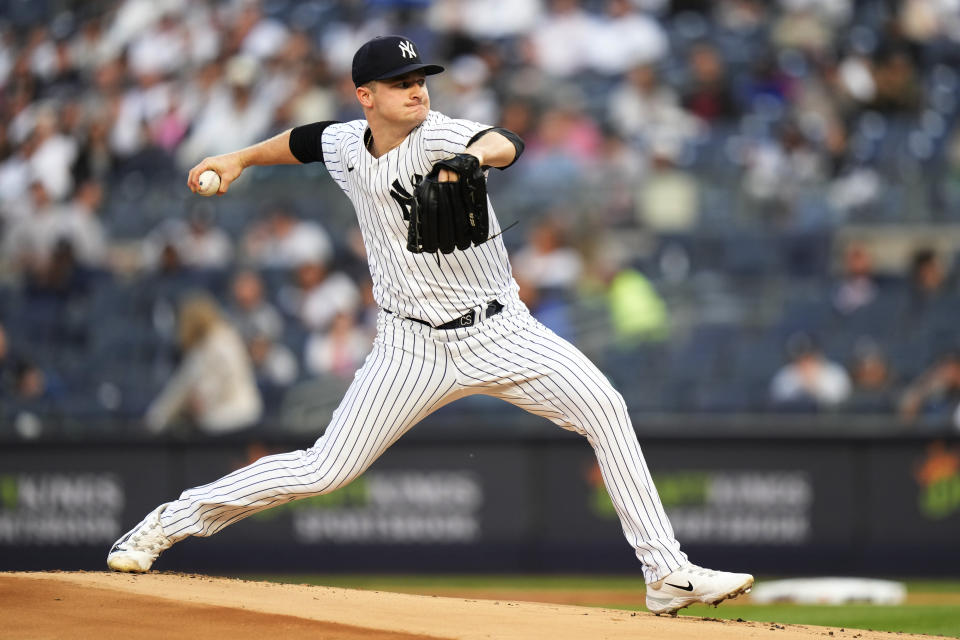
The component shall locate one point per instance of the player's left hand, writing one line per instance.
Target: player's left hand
(448, 175)
(445, 175)
(450, 207)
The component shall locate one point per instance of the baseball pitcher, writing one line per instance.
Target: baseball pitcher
(450, 325)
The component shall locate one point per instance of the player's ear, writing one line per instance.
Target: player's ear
(365, 95)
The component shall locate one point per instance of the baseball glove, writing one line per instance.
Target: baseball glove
(449, 215)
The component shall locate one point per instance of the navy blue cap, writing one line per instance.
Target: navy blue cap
(388, 57)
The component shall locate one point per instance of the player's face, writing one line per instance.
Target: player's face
(404, 98)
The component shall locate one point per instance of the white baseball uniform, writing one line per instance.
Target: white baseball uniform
(414, 368)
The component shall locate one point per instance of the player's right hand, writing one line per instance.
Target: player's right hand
(228, 166)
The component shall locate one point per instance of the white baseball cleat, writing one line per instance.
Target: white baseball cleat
(136, 551)
(691, 584)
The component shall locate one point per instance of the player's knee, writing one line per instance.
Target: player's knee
(611, 400)
(329, 480)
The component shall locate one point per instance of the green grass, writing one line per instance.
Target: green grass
(937, 619)
(941, 620)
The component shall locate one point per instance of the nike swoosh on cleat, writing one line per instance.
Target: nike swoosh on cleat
(689, 586)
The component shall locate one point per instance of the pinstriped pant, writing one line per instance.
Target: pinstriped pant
(414, 370)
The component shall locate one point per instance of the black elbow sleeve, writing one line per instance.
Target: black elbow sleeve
(305, 141)
(514, 139)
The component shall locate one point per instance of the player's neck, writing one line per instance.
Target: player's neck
(385, 136)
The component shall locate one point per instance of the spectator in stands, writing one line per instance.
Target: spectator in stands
(613, 180)
(486, 19)
(95, 158)
(204, 245)
(872, 379)
(15, 177)
(29, 240)
(274, 363)
(642, 107)
(33, 403)
(952, 153)
(520, 115)
(311, 97)
(22, 380)
(927, 279)
(168, 262)
(5, 366)
(31, 383)
(932, 25)
(142, 102)
(198, 243)
(469, 93)
(30, 397)
(708, 93)
(318, 295)
(547, 269)
(257, 35)
(566, 142)
(60, 277)
(213, 390)
(53, 156)
(548, 262)
(624, 38)
(239, 115)
(853, 187)
(261, 326)
(89, 45)
(638, 311)
(934, 396)
(81, 225)
(778, 172)
(340, 350)
(199, 88)
(668, 197)
(250, 312)
(857, 287)
(898, 89)
(567, 129)
(809, 381)
(283, 241)
(809, 26)
(563, 39)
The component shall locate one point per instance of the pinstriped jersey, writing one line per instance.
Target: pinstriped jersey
(417, 285)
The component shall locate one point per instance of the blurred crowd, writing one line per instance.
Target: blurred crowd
(734, 206)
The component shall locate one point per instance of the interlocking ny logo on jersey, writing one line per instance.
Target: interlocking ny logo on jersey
(406, 48)
(402, 196)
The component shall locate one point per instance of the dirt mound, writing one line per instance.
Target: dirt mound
(167, 605)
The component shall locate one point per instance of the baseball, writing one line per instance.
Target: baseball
(209, 183)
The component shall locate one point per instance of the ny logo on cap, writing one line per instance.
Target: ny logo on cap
(406, 48)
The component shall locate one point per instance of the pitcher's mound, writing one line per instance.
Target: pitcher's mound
(167, 605)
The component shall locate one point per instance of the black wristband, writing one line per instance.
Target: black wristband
(514, 139)
(305, 141)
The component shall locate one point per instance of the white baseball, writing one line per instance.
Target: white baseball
(209, 182)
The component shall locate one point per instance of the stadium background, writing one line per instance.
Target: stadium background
(708, 190)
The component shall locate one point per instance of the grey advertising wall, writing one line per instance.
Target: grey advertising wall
(838, 506)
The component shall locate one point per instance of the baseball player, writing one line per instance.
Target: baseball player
(450, 325)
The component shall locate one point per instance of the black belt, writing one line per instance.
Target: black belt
(466, 320)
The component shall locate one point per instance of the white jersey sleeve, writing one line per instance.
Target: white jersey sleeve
(445, 137)
(338, 142)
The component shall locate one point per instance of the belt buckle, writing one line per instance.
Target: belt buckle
(466, 319)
